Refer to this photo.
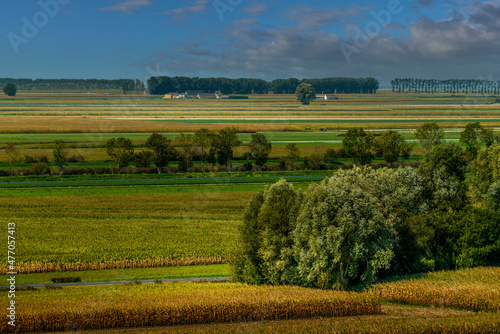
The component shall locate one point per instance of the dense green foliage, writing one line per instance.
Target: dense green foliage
(391, 145)
(449, 240)
(260, 148)
(485, 171)
(359, 144)
(10, 89)
(429, 134)
(473, 136)
(223, 144)
(62, 84)
(120, 150)
(163, 85)
(340, 232)
(362, 224)
(161, 149)
(305, 93)
(60, 153)
(443, 170)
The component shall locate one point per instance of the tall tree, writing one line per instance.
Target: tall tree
(293, 154)
(203, 138)
(342, 232)
(443, 170)
(359, 144)
(60, 153)
(224, 143)
(430, 134)
(120, 150)
(392, 145)
(12, 154)
(186, 143)
(305, 93)
(473, 136)
(263, 254)
(485, 171)
(260, 148)
(162, 149)
(10, 89)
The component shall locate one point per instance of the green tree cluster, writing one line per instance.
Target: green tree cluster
(164, 84)
(361, 225)
(473, 136)
(340, 232)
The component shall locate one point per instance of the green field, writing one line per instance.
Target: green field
(129, 274)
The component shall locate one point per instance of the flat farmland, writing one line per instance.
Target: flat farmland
(107, 227)
(38, 112)
(64, 233)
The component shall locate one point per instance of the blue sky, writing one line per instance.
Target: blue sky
(250, 38)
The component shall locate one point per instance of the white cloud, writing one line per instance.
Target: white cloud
(256, 8)
(128, 6)
(464, 45)
(198, 7)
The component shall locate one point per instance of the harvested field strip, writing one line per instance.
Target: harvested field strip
(179, 303)
(393, 320)
(472, 289)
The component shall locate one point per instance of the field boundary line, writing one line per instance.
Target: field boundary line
(146, 281)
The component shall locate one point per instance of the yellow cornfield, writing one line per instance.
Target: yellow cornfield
(82, 308)
(472, 289)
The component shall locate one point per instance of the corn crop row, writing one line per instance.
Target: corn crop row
(470, 297)
(229, 303)
(471, 324)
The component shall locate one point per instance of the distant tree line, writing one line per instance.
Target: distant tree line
(74, 84)
(164, 85)
(452, 86)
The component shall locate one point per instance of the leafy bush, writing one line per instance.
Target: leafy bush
(76, 159)
(41, 158)
(476, 237)
(39, 168)
(449, 240)
(27, 159)
(66, 279)
(143, 159)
